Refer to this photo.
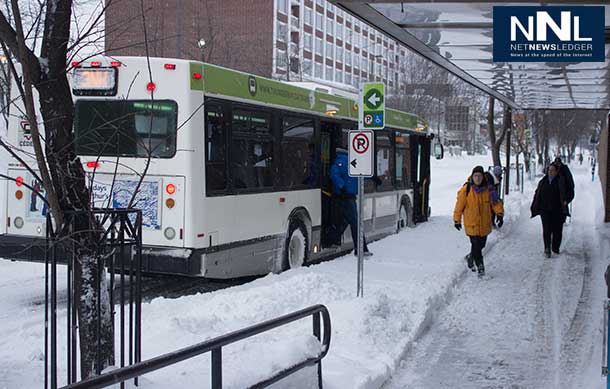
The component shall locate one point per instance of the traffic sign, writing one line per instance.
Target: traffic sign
(360, 156)
(371, 106)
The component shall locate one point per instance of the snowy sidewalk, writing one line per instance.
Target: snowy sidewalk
(535, 324)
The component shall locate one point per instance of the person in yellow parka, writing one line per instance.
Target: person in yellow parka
(475, 200)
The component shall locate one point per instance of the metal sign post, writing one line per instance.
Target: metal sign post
(360, 159)
(360, 282)
(371, 116)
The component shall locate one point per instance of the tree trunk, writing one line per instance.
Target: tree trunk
(68, 179)
(69, 182)
(91, 282)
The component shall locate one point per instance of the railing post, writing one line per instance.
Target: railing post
(316, 333)
(607, 328)
(217, 368)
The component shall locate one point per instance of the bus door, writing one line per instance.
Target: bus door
(330, 139)
(420, 171)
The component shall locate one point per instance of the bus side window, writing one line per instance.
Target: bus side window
(300, 161)
(216, 179)
(403, 160)
(251, 149)
(385, 160)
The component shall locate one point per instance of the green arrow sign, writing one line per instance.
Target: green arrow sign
(371, 106)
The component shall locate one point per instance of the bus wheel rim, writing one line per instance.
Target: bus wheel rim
(403, 217)
(295, 251)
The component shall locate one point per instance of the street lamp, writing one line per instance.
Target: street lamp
(201, 45)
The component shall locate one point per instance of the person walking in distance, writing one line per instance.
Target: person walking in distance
(475, 204)
(550, 202)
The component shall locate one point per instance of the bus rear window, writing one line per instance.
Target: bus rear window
(126, 128)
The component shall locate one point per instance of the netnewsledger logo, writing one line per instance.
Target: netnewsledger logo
(548, 34)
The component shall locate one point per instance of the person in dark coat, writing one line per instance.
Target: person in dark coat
(564, 171)
(551, 203)
(345, 190)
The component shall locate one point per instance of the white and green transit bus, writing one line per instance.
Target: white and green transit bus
(238, 182)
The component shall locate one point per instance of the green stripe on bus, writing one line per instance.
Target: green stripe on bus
(196, 84)
(231, 83)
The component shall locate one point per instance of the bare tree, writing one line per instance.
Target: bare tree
(496, 137)
(57, 166)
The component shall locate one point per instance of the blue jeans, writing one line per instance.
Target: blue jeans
(349, 216)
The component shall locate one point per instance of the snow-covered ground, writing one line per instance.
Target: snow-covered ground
(425, 321)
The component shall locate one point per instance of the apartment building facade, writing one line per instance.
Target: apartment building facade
(293, 40)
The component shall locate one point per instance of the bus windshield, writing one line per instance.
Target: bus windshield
(127, 128)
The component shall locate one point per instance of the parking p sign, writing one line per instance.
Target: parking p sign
(371, 106)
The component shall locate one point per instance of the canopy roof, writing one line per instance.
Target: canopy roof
(457, 35)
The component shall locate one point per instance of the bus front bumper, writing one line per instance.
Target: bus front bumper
(155, 260)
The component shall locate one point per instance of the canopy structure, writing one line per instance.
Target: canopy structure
(458, 36)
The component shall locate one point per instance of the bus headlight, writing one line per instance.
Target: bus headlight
(18, 222)
(169, 233)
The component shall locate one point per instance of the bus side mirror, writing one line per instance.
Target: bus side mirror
(439, 151)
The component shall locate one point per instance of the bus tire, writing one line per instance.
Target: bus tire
(296, 246)
(405, 216)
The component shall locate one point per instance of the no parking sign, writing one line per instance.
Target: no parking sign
(360, 158)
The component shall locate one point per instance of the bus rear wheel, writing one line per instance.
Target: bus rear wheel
(404, 216)
(296, 247)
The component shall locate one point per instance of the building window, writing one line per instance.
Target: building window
(300, 166)
(329, 50)
(307, 42)
(307, 67)
(309, 16)
(319, 46)
(329, 72)
(282, 31)
(338, 75)
(282, 5)
(281, 59)
(348, 58)
(339, 33)
(348, 79)
(318, 70)
(348, 35)
(339, 53)
(251, 149)
(329, 26)
(319, 21)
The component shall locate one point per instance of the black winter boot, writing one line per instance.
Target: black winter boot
(470, 262)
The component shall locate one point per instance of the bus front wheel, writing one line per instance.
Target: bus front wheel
(296, 247)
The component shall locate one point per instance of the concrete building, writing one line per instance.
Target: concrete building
(293, 40)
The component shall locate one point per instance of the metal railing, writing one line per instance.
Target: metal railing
(119, 249)
(215, 346)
